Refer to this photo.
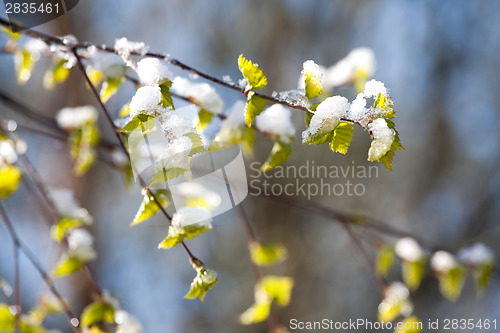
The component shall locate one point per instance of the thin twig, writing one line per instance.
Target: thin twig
(17, 287)
(378, 280)
(194, 260)
(30, 113)
(353, 219)
(54, 40)
(252, 241)
(73, 321)
(34, 176)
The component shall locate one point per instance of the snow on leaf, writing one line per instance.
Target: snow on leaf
(325, 119)
(385, 103)
(276, 120)
(153, 71)
(386, 160)
(313, 77)
(204, 280)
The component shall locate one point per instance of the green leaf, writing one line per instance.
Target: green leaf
(165, 174)
(267, 254)
(84, 161)
(139, 120)
(255, 105)
(7, 319)
(410, 324)
(318, 138)
(197, 146)
(482, 276)
(81, 142)
(61, 229)
(254, 75)
(166, 100)
(242, 135)
(68, 265)
(31, 323)
(97, 312)
(177, 234)
(10, 178)
(110, 87)
(386, 160)
(56, 74)
(248, 139)
(279, 154)
(385, 259)
(149, 207)
(257, 313)
(452, 282)
(24, 64)
(95, 77)
(204, 280)
(342, 136)
(413, 273)
(361, 76)
(278, 288)
(204, 118)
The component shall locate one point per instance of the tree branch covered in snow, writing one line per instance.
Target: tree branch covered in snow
(151, 111)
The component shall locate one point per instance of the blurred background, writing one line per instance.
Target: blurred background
(438, 58)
